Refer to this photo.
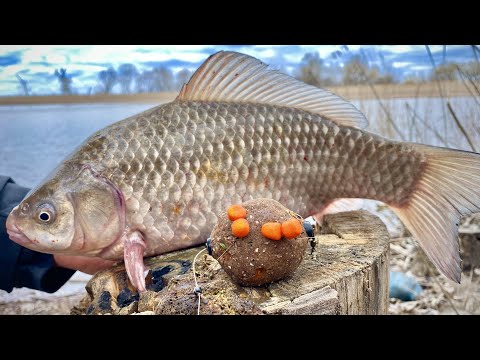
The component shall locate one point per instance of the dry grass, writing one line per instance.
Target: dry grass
(392, 91)
(440, 295)
(354, 92)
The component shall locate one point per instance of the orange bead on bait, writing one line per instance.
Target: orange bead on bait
(272, 230)
(240, 228)
(291, 228)
(236, 212)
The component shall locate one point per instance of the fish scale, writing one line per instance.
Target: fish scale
(187, 161)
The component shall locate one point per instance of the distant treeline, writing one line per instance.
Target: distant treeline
(126, 79)
(357, 71)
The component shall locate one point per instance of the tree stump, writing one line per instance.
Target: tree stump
(347, 273)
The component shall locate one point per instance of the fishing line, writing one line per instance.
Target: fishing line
(197, 290)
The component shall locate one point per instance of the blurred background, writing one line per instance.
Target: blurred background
(121, 69)
(53, 97)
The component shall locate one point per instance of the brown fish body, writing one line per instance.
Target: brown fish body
(181, 164)
(157, 182)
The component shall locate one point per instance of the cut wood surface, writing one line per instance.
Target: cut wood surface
(346, 274)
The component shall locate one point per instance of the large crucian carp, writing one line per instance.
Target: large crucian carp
(157, 182)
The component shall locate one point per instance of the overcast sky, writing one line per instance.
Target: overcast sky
(37, 63)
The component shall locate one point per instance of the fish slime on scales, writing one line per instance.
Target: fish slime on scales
(157, 182)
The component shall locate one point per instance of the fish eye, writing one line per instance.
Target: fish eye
(45, 214)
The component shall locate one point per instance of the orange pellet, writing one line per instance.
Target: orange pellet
(236, 212)
(291, 228)
(272, 230)
(240, 228)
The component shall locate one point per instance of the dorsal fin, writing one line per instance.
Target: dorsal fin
(233, 77)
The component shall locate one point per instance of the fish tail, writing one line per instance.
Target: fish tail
(448, 188)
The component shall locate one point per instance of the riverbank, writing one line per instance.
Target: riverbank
(358, 92)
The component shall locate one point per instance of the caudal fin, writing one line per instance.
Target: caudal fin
(448, 189)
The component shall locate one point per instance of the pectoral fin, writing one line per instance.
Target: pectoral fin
(134, 247)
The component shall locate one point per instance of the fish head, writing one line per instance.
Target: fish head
(73, 212)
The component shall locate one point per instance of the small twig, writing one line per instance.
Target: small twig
(445, 293)
(224, 252)
(398, 239)
(463, 76)
(387, 113)
(437, 82)
(471, 279)
(413, 126)
(424, 123)
(417, 131)
(460, 126)
(475, 49)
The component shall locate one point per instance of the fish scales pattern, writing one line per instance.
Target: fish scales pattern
(181, 164)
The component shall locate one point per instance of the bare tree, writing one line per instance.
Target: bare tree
(163, 79)
(472, 70)
(357, 72)
(385, 79)
(143, 82)
(107, 79)
(64, 80)
(412, 80)
(354, 71)
(447, 71)
(310, 69)
(182, 78)
(23, 85)
(126, 73)
(156, 80)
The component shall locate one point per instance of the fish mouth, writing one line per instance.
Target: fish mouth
(16, 234)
